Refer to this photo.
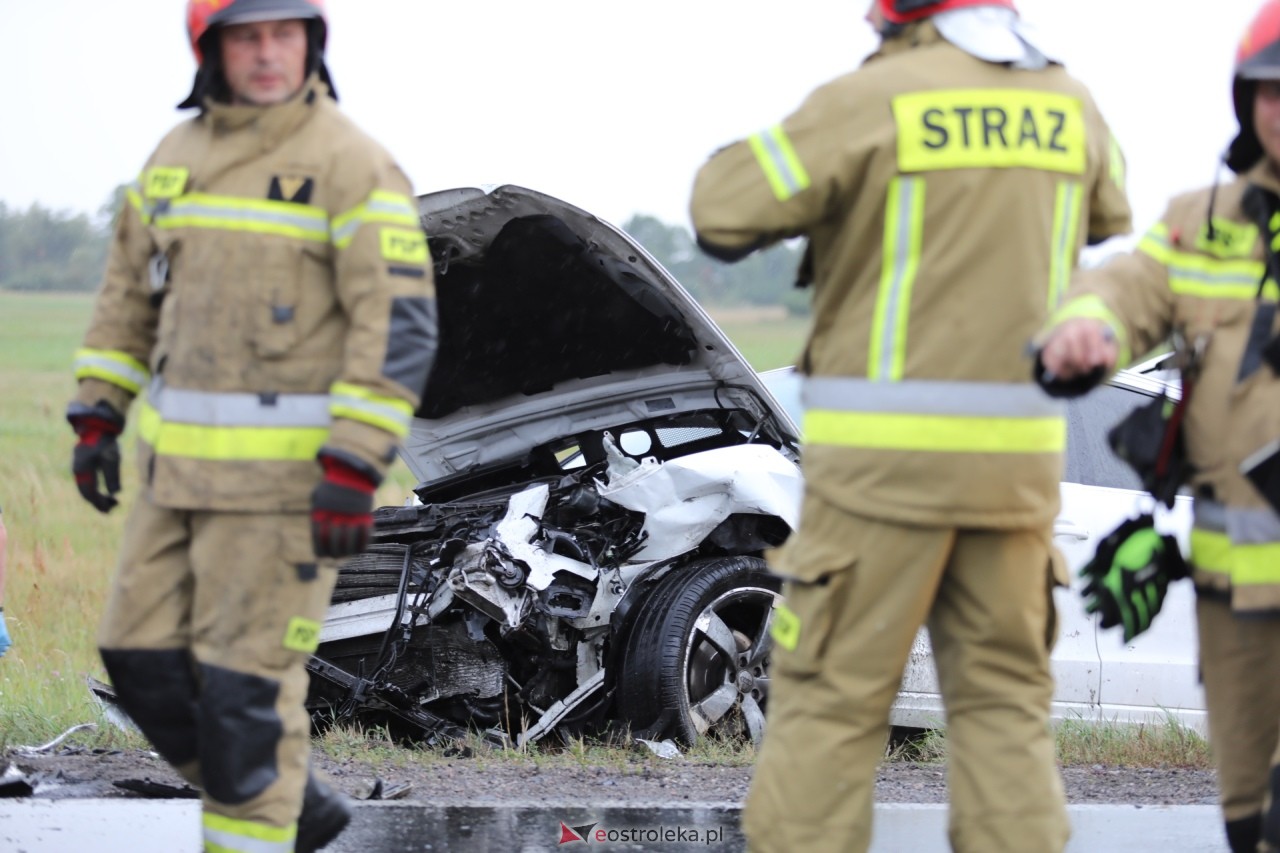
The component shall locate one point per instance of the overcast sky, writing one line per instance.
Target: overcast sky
(610, 105)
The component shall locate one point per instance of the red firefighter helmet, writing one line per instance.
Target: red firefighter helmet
(204, 16)
(1257, 58)
(906, 11)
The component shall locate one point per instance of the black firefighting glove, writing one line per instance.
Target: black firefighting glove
(342, 507)
(96, 453)
(1130, 574)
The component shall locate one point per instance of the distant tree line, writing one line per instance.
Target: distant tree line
(47, 250)
(764, 278)
(43, 249)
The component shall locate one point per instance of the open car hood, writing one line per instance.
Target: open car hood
(552, 322)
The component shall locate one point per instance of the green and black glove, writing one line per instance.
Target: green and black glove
(1130, 574)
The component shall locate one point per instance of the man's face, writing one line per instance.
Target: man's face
(264, 62)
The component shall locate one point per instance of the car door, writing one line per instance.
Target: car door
(1156, 672)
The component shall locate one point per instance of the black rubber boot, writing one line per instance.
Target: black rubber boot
(325, 813)
(1271, 820)
(1244, 834)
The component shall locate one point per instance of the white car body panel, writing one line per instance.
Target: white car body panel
(1098, 677)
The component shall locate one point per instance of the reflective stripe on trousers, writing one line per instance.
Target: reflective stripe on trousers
(1243, 544)
(227, 835)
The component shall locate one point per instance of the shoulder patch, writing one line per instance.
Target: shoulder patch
(1229, 239)
(165, 181)
(400, 245)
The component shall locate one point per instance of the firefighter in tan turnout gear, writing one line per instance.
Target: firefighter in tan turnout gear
(945, 188)
(1207, 274)
(269, 298)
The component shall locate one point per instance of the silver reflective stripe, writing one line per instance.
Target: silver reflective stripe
(114, 367)
(930, 397)
(377, 205)
(1252, 526)
(901, 257)
(1066, 222)
(181, 209)
(771, 141)
(237, 409)
(1189, 273)
(230, 841)
(1210, 515)
(1243, 526)
(346, 231)
(146, 207)
(377, 410)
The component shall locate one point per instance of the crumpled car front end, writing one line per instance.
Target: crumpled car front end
(601, 473)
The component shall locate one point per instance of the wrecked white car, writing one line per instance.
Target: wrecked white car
(600, 472)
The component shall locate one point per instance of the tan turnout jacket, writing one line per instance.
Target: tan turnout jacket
(1205, 284)
(945, 200)
(269, 288)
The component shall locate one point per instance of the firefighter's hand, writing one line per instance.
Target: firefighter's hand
(1078, 347)
(96, 454)
(342, 508)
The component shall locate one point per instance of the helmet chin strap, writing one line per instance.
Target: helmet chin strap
(209, 82)
(315, 54)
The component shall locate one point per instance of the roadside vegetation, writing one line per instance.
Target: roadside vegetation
(62, 553)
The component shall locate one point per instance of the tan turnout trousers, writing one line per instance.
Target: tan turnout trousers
(1240, 665)
(860, 589)
(243, 595)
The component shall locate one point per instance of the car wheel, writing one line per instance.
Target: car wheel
(696, 661)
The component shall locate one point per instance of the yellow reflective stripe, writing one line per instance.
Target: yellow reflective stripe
(228, 213)
(782, 167)
(1192, 274)
(133, 194)
(1251, 564)
(903, 231)
(1155, 243)
(392, 414)
(1066, 228)
(118, 368)
(947, 434)
(1091, 305)
(381, 206)
(228, 835)
(1255, 565)
(990, 129)
(785, 629)
(227, 443)
(1117, 164)
(1215, 278)
(1210, 551)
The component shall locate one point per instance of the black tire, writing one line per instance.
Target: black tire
(696, 661)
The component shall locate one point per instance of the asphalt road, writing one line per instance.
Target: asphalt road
(172, 826)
